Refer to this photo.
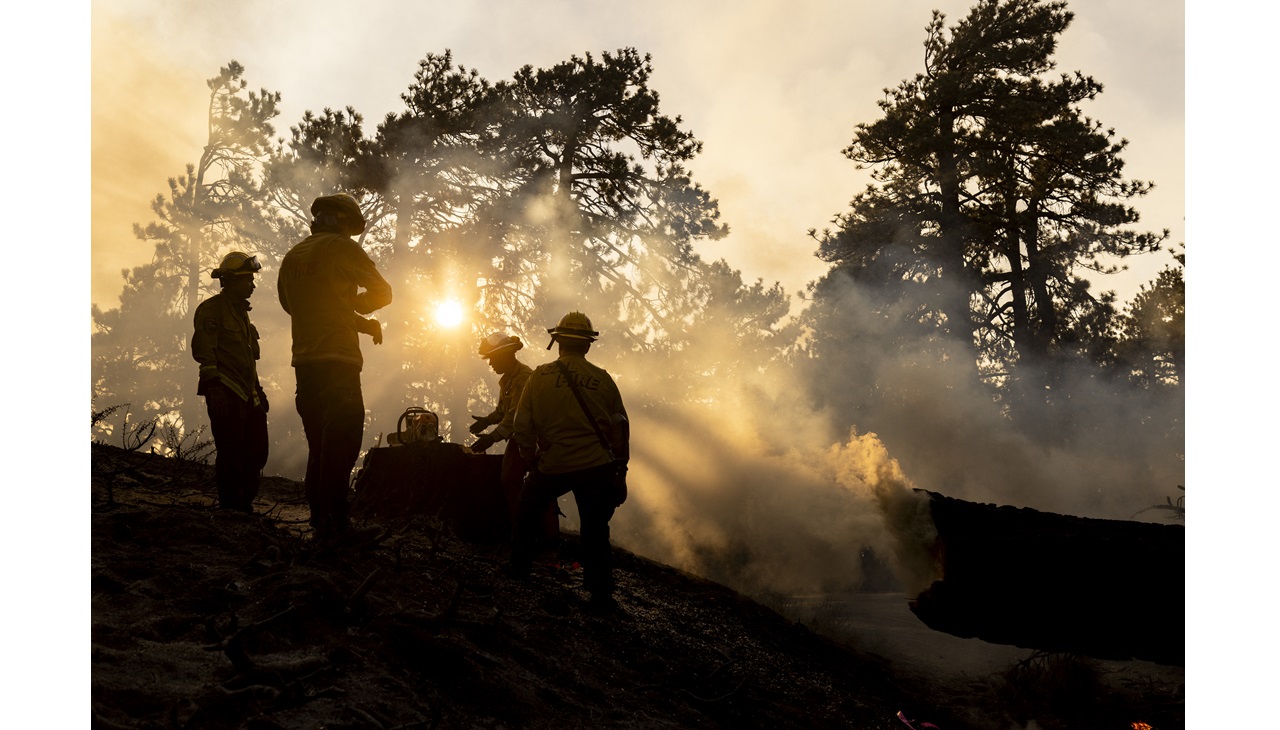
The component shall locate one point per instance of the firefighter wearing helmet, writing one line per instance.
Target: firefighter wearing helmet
(225, 344)
(571, 427)
(499, 349)
(327, 283)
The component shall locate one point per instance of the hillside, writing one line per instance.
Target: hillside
(211, 619)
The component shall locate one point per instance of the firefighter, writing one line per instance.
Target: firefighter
(572, 429)
(500, 351)
(225, 344)
(327, 282)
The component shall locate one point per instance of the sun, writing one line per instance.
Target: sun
(449, 313)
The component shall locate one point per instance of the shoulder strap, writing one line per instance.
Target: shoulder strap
(568, 375)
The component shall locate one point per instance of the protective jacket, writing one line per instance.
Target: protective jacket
(510, 386)
(319, 285)
(551, 426)
(225, 344)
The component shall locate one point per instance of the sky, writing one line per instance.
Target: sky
(772, 89)
(772, 93)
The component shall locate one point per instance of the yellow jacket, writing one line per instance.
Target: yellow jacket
(318, 287)
(225, 344)
(550, 423)
(510, 387)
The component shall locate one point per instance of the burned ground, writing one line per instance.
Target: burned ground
(204, 618)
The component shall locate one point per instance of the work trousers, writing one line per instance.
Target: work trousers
(240, 439)
(331, 405)
(595, 494)
(513, 469)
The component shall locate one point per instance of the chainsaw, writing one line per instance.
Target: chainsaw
(416, 426)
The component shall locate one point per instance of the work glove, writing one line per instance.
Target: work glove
(262, 398)
(481, 423)
(482, 444)
(619, 486)
(373, 328)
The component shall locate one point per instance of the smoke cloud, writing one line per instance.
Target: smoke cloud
(783, 481)
(148, 116)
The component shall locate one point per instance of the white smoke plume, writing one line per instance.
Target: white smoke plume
(762, 493)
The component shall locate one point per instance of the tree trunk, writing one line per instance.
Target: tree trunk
(954, 273)
(958, 285)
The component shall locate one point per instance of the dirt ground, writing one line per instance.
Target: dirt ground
(203, 618)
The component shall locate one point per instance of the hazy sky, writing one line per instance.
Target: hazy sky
(772, 89)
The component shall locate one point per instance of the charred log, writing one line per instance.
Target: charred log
(1110, 589)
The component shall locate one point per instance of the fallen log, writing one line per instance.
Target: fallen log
(1109, 589)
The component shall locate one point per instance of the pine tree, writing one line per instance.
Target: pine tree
(992, 194)
(140, 350)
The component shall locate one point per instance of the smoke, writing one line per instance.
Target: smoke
(863, 463)
(147, 117)
(765, 515)
(779, 479)
(755, 489)
(1108, 450)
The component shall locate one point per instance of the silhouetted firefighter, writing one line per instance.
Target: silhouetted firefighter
(500, 351)
(320, 282)
(225, 344)
(572, 430)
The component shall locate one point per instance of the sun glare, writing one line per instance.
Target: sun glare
(449, 313)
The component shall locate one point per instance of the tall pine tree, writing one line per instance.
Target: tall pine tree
(993, 193)
(140, 350)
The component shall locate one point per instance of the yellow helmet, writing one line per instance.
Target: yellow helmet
(345, 207)
(575, 325)
(497, 342)
(237, 263)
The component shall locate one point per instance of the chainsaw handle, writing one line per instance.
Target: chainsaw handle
(408, 412)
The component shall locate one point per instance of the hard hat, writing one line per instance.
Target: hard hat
(343, 205)
(237, 263)
(497, 342)
(574, 325)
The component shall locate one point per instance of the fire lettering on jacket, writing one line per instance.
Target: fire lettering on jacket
(590, 383)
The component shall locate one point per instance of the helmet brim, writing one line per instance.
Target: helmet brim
(486, 354)
(585, 335)
(249, 266)
(576, 334)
